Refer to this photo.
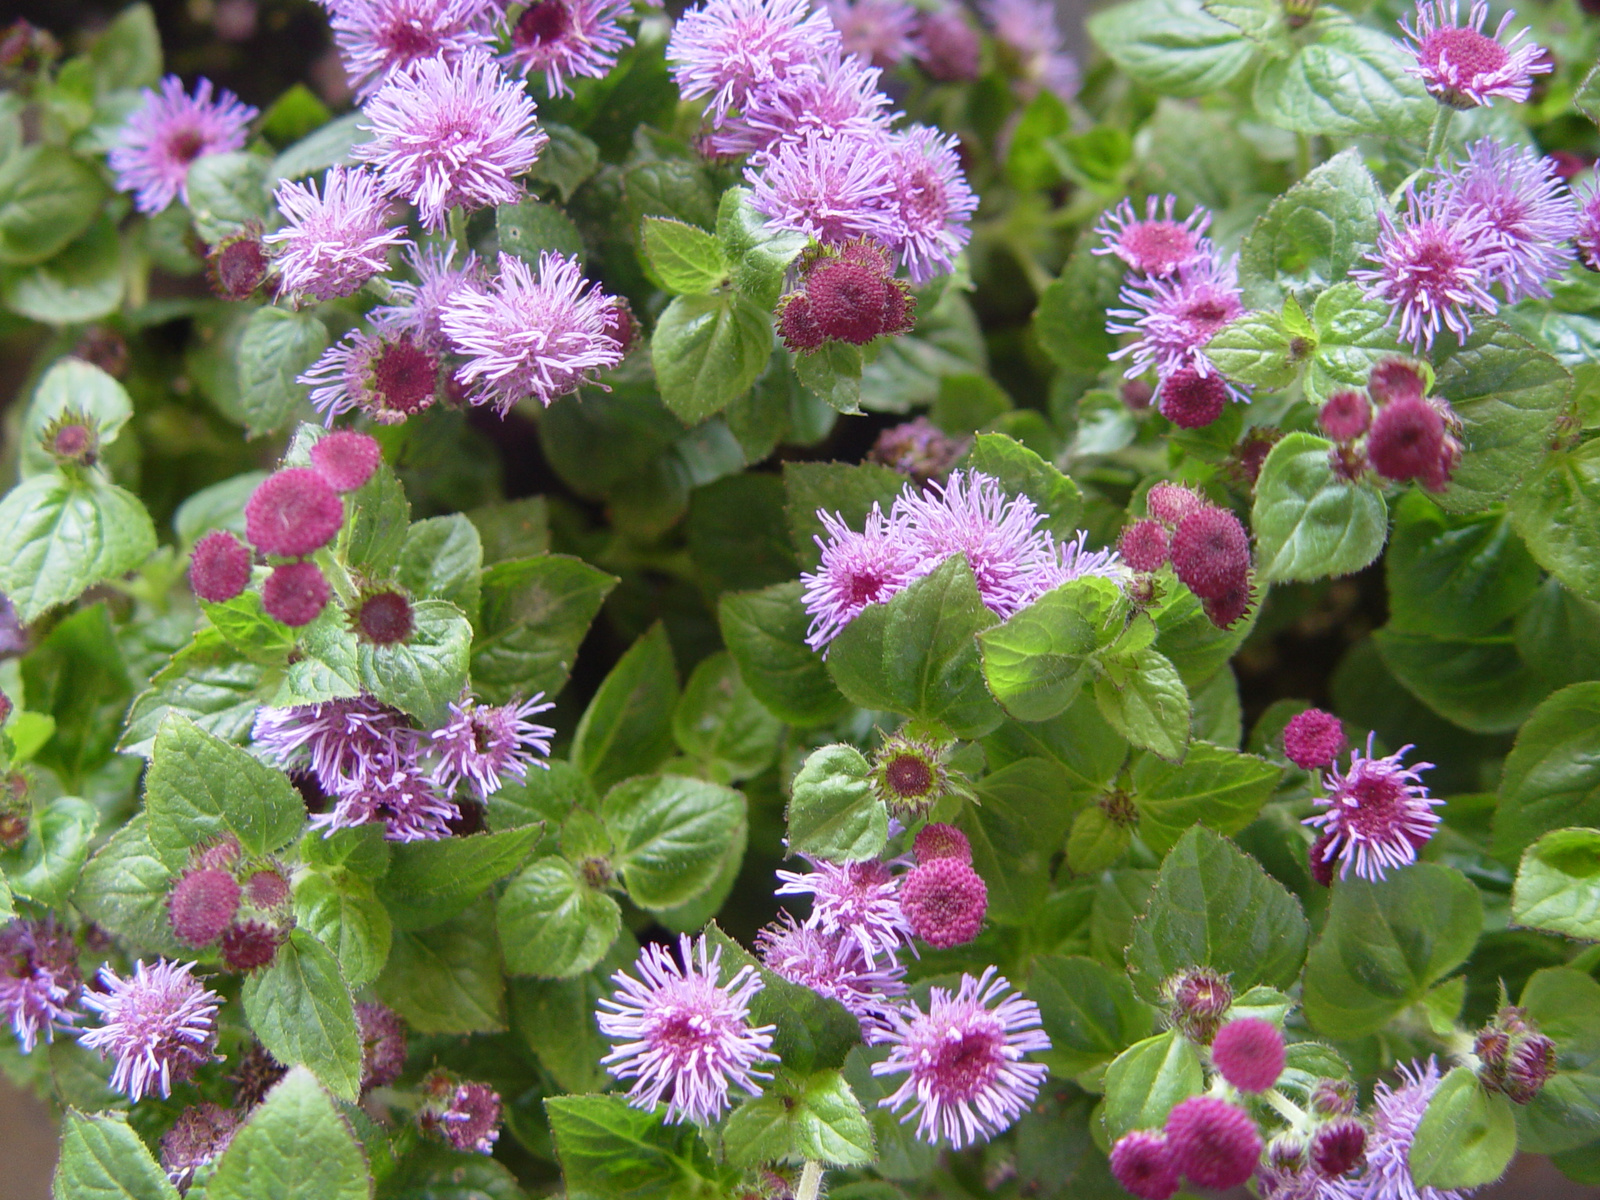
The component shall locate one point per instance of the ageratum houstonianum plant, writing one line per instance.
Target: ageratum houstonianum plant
(776, 599)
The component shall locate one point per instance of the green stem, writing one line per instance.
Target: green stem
(1286, 1108)
(1302, 155)
(1436, 135)
(810, 1185)
(458, 229)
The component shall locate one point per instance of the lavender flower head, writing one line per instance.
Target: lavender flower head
(39, 980)
(1431, 267)
(388, 377)
(482, 744)
(832, 966)
(1396, 1113)
(380, 38)
(421, 304)
(935, 204)
(830, 187)
(1072, 559)
(393, 790)
(1517, 194)
(682, 1034)
(1464, 67)
(568, 39)
(532, 335)
(1028, 31)
(336, 239)
(1587, 236)
(452, 133)
(167, 132)
(159, 1024)
(857, 901)
(877, 31)
(1379, 814)
(1175, 316)
(840, 93)
(857, 569)
(1158, 244)
(965, 1078)
(727, 49)
(335, 740)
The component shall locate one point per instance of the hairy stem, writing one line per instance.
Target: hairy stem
(1436, 135)
(810, 1185)
(458, 229)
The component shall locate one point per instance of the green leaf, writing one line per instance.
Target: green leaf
(1214, 786)
(1564, 1004)
(1509, 395)
(430, 882)
(1386, 944)
(442, 560)
(670, 835)
(627, 730)
(428, 670)
(1088, 1010)
(1466, 1138)
(707, 350)
(1214, 906)
(1070, 318)
(128, 53)
(72, 385)
(103, 1159)
(248, 628)
(1148, 1080)
(208, 682)
(567, 160)
(722, 725)
(530, 227)
(1454, 576)
(813, 1119)
(1479, 683)
(227, 192)
(1557, 512)
(124, 887)
(300, 1008)
(552, 923)
(46, 866)
(849, 492)
(1171, 46)
(1353, 335)
(1142, 695)
(199, 787)
(277, 345)
(379, 523)
(447, 979)
(515, 529)
(59, 537)
(608, 1149)
(295, 1146)
(1258, 349)
(47, 198)
(293, 115)
(760, 252)
(534, 614)
(344, 914)
(1311, 237)
(1096, 840)
(1016, 830)
(917, 655)
(686, 259)
(546, 796)
(1552, 775)
(833, 811)
(556, 1018)
(1557, 888)
(765, 632)
(83, 282)
(327, 147)
(1348, 81)
(833, 374)
(739, 533)
(1309, 523)
(77, 677)
(1022, 472)
(1036, 662)
(813, 1032)
(1186, 636)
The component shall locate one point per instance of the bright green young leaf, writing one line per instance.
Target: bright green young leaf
(707, 350)
(1311, 236)
(1552, 776)
(1558, 884)
(46, 866)
(206, 681)
(1309, 523)
(1354, 333)
(430, 882)
(1348, 80)
(442, 560)
(834, 812)
(249, 629)
(1172, 46)
(627, 730)
(1148, 1080)
(1258, 349)
(47, 198)
(103, 1159)
(817, 1118)
(552, 923)
(1466, 1138)
(1037, 661)
(534, 614)
(1142, 695)
(296, 1144)
(1070, 318)
(1096, 840)
(760, 252)
(839, 489)
(59, 537)
(300, 1008)
(128, 53)
(567, 160)
(1022, 472)
(1214, 786)
(765, 632)
(685, 258)
(124, 887)
(670, 835)
(1188, 638)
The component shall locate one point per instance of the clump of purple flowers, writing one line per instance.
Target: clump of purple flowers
(1526, 210)
(727, 49)
(1174, 316)
(380, 38)
(158, 1024)
(481, 744)
(832, 964)
(1396, 1113)
(858, 902)
(39, 980)
(167, 133)
(1031, 39)
(1378, 815)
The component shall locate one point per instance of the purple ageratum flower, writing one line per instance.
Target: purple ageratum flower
(935, 204)
(1529, 214)
(1587, 236)
(389, 377)
(378, 38)
(452, 133)
(857, 569)
(39, 980)
(1464, 67)
(482, 744)
(1158, 244)
(965, 1078)
(1396, 1113)
(1431, 267)
(159, 1024)
(1379, 814)
(881, 32)
(831, 966)
(532, 335)
(857, 901)
(1174, 317)
(682, 1034)
(1028, 31)
(394, 790)
(727, 49)
(167, 132)
(335, 240)
(336, 740)
(421, 306)
(971, 515)
(1072, 559)
(567, 39)
(831, 187)
(841, 93)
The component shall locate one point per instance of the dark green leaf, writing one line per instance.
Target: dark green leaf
(1172, 46)
(765, 632)
(556, 1018)
(428, 670)
(442, 560)
(128, 53)
(1088, 1010)
(300, 1008)
(209, 683)
(707, 350)
(59, 537)
(345, 915)
(548, 796)
(82, 282)
(1348, 81)
(1454, 576)
(567, 160)
(1558, 514)
(1309, 523)
(515, 529)
(610, 1150)
(447, 979)
(1479, 683)
(1564, 1004)
(534, 614)
(1016, 830)
(1217, 787)
(276, 347)
(813, 1119)
(1552, 776)
(1021, 471)
(849, 492)
(530, 227)
(813, 1032)
(77, 677)
(552, 923)
(627, 728)
(719, 723)
(1070, 319)
(103, 1159)
(47, 198)
(430, 882)
(670, 835)
(228, 191)
(739, 535)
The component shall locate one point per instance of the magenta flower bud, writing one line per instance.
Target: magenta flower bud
(1515, 1057)
(1211, 553)
(1313, 739)
(237, 266)
(1157, 245)
(219, 568)
(1249, 1053)
(383, 1045)
(71, 439)
(848, 299)
(201, 905)
(1339, 1147)
(944, 901)
(218, 855)
(292, 513)
(1170, 503)
(295, 593)
(796, 325)
(941, 841)
(1333, 1098)
(1587, 238)
(1224, 610)
(1144, 546)
(1345, 416)
(1191, 400)
(1197, 999)
(383, 618)
(267, 888)
(1395, 379)
(197, 1139)
(1214, 1143)
(249, 945)
(345, 460)
(1409, 441)
(1142, 1163)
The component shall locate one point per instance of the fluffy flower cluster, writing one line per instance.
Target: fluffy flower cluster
(1412, 435)
(1206, 545)
(375, 766)
(1013, 560)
